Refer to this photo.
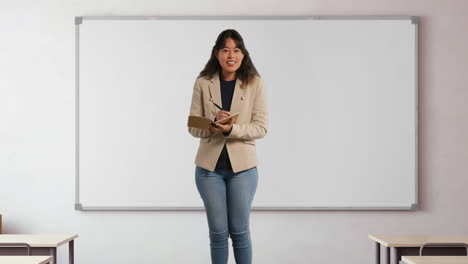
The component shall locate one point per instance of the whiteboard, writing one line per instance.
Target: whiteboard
(342, 111)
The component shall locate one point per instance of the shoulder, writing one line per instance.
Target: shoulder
(202, 81)
(257, 82)
(254, 82)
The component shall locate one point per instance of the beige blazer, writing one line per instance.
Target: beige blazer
(251, 124)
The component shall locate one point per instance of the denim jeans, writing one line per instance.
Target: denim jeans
(227, 197)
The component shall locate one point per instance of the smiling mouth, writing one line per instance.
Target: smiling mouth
(231, 62)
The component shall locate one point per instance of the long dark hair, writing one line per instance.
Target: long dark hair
(246, 72)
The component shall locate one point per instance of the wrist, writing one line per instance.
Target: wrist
(229, 129)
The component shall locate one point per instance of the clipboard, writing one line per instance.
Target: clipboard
(204, 123)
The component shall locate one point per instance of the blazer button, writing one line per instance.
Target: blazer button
(242, 98)
(211, 99)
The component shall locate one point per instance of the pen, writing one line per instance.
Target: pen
(220, 108)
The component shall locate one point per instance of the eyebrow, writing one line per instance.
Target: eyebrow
(229, 48)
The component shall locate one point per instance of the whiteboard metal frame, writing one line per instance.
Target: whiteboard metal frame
(79, 20)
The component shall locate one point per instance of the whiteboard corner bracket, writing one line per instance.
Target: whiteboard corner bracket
(78, 20)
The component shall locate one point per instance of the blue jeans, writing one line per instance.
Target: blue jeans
(227, 197)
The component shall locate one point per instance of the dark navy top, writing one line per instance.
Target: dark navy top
(227, 91)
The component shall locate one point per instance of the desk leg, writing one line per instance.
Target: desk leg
(388, 255)
(53, 253)
(395, 255)
(377, 253)
(71, 252)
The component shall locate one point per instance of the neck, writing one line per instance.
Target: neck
(228, 76)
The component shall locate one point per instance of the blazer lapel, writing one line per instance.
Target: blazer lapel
(215, 91)
(236, 97)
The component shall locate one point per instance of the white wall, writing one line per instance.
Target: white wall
(37, 141)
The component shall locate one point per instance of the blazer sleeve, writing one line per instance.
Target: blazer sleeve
(196, 109)
(257, 128)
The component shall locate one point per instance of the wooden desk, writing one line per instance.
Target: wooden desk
(41, 245)
(408, 245)
(25, 259)
(435, 260)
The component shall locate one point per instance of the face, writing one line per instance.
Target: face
(230, 57)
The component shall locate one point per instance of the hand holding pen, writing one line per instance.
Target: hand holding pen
(221, 115)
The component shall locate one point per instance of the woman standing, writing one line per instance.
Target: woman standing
(226, 165)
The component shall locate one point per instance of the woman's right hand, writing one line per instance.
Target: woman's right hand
(222, 114)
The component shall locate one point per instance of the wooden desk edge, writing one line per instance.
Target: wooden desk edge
(414, 259)
(406, 244)
(70, 238)
(406, 260)
(67, 240)
(381, 242)
(42, 259)
(47, 260)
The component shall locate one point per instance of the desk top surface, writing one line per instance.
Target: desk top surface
(38, 240)
(416, 240)
(25, 259)
(435, 259)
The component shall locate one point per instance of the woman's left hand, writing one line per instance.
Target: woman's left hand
(220, 127)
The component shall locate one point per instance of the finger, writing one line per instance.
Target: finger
(213, 128)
